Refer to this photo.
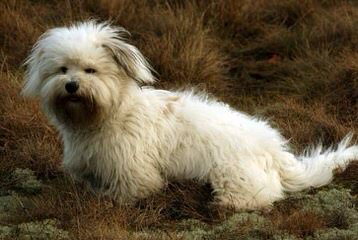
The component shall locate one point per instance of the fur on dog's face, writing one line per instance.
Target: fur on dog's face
(81, 73)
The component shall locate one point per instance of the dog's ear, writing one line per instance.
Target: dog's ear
(129, 57)
(33, 63)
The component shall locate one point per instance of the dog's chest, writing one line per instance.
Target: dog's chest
(91, 156)
(103, 157)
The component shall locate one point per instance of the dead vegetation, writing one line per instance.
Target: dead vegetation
(295, 62)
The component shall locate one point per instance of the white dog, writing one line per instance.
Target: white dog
(127, 141)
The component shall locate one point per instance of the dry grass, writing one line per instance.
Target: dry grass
(295, 62)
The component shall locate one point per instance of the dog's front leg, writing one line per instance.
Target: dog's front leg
(137, 182)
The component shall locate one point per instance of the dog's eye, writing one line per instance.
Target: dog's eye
(63, 69)
(90, 70)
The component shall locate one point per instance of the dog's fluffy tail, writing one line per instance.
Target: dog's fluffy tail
(316, 166)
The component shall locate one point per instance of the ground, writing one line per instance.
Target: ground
(292, 62)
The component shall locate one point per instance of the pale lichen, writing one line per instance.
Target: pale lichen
(26, 181)
(39, 230)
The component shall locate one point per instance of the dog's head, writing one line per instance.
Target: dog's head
(80, 73)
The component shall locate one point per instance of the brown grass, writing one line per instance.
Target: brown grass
(300, 223)
(295, 62)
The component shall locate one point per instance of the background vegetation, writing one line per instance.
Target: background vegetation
(292, 61)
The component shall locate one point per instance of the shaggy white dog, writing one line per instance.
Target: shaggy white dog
(127, 141)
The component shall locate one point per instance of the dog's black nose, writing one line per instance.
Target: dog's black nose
(71, 87)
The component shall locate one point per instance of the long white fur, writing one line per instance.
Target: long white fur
(144, 137)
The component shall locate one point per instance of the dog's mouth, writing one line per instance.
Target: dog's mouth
(74, 99)
(74, 103)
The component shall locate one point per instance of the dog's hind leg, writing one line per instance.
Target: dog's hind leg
(245, 186)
